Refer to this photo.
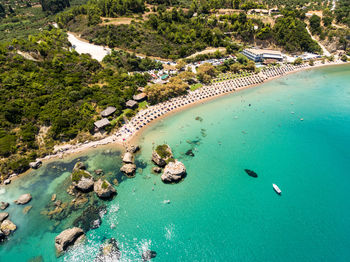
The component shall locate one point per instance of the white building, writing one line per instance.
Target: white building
(258, 55)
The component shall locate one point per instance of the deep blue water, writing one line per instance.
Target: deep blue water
(219, 213)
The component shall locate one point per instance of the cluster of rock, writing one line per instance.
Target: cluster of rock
(129, 166)
(174, 170)
(86, 183)
(6, 225)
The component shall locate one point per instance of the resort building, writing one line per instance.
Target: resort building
(259, 55)
(139, 97)
(101, 123)
(131, 104)
(108, 111)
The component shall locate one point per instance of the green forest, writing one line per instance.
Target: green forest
(57, 88)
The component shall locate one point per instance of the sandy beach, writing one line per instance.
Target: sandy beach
(125, 136)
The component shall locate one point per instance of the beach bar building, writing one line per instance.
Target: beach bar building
(108, 111)
(101, 123)
(259, 55)
(131, 104)
(139, 97)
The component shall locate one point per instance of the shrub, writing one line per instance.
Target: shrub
(344, 58)
(77, 175)
(162, 151)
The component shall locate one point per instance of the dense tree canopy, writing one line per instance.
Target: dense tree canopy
(54, 6)
(57, 89)
(291, 33)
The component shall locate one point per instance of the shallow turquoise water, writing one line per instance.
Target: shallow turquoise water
(219, 213)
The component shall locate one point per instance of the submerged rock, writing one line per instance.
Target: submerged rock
(3, 216)
(251, 173)
(53, 197)
(68, 238)
(162, 155)
(36, 259)
(98, 172)
(90, 218)
(7, 227)
(23, 199)
(104, 189)
(173, 172)
(148, 255)
(26, 209)
(109, 251)
(128, 169)
(4, 205)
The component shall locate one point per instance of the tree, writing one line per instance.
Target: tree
(236, 3)
(54, 6)
(315, 24)
(327, 21)
(180, 64)
(2, 11)
(298, 61)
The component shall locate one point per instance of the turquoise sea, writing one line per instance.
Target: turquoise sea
(218, 213)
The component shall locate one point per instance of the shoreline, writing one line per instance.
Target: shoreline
(68, 151)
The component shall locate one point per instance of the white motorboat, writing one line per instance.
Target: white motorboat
(277, 189)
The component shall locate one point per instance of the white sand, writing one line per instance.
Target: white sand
(96, 51)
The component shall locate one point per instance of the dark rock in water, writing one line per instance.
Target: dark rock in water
(198, 118)
(251, 173)
(148, 255)
(189, 153)
(109, 251)
(90, 218)
(2, 236)
(156, 169)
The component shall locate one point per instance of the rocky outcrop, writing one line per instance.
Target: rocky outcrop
(128, 169)
(128, 158)
(3, 205)
(68, 238)
(7, 181)
(3, 216)
(148, 255)
(82, 179)
(85, 184)
(23, 199)
(35, 164)
(161, 155)
(173, 172)
(79, 166)
(109, 251)
(104, 189)
(7, 227)
(132, 148)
